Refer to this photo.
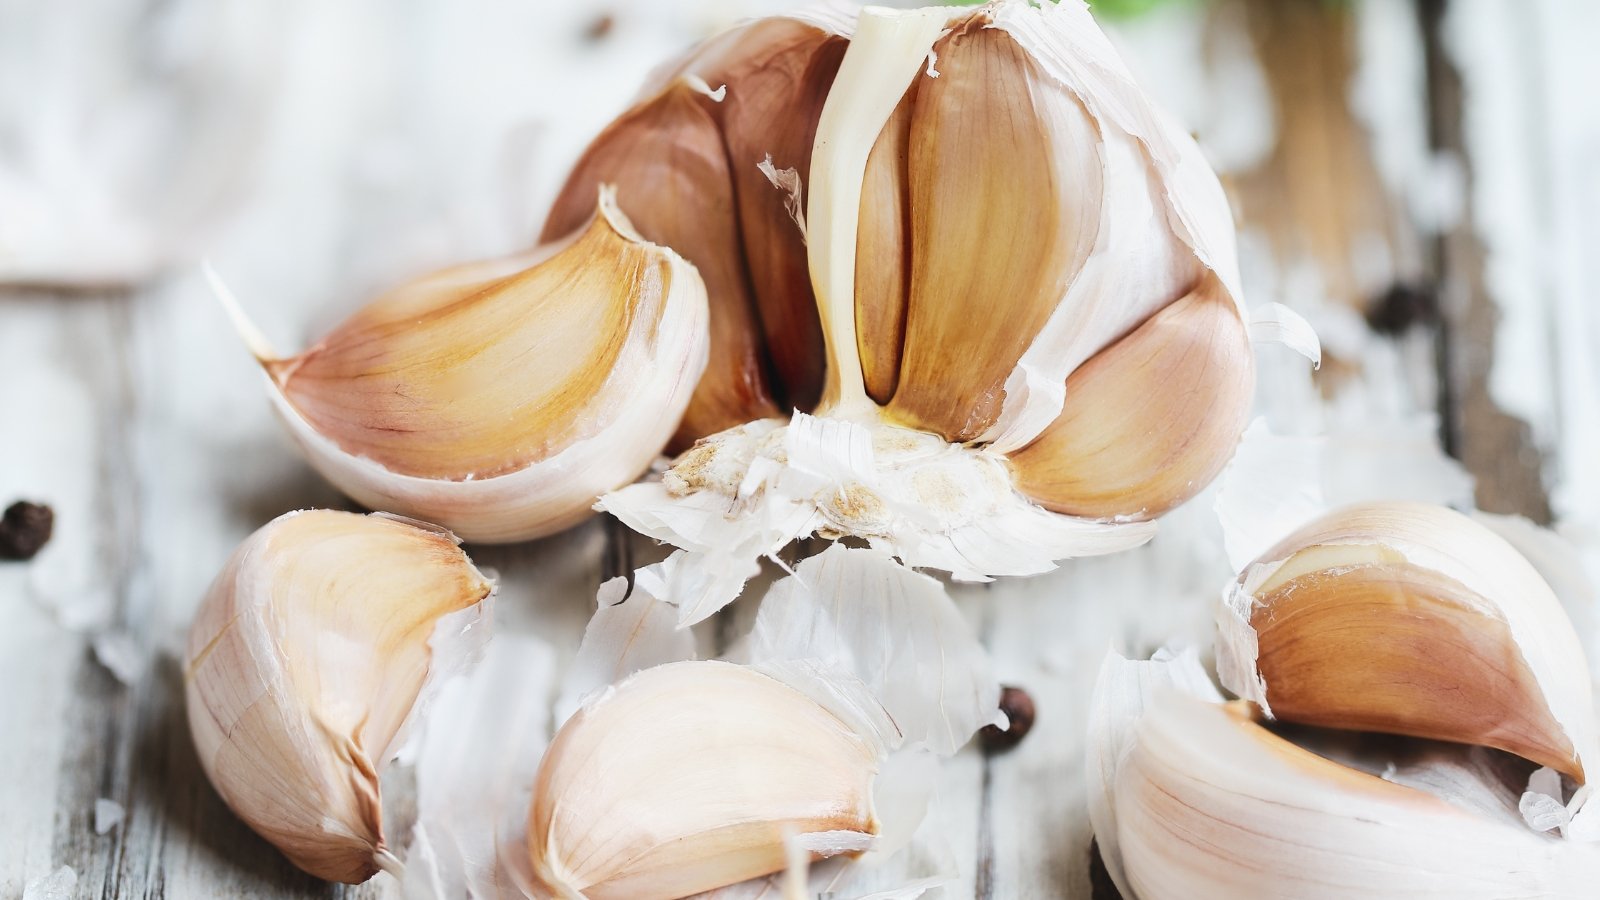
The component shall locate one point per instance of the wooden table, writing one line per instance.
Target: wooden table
(1375, 179)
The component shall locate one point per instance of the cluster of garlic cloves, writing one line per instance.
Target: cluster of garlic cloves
(1397, 618)
(500, 398)
(1022, 274)
(307, 661)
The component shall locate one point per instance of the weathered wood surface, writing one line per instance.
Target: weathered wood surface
(137, 416)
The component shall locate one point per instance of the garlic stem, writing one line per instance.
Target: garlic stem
(887, 51)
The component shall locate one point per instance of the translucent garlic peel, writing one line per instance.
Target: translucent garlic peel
(1210, 804)
(500, 405)
(305, 663)
(687, 777)
(1374, 616)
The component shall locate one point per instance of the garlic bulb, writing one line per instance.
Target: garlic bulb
(305, 663)
(1024, 280)
(1411, 619)
(499, 399)
(1211, 805)
(687, 777)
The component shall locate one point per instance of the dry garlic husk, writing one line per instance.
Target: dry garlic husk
(1411, 619)
(1209, 804)
(687, 777)
(1027, 290)
(499, 399)
(305, 663)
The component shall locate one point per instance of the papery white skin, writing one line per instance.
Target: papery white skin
(479, 751)
(1450, 544)
(895, 630)
(929, 502)
(554, 493)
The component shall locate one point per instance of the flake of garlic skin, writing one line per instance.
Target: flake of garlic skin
(1150, 420)
(1411, 619)
(691, 159)
(305, 662)
(687, 777)
(500, 399)
(1211, 805)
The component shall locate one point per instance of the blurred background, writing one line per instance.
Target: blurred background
(1419, 178)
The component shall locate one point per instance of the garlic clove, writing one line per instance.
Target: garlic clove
(1150, 420)
(995, 148)
(500, 399)
(1411, 619)
(305, 662)
(882, 238)
(777, 82)
(667, 157)
(687, 777)
(1211, 805)
(689, 157)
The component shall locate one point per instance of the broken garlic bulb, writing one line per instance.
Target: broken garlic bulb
(1411, 619)
(689, 776)
(1024, 279)
(305, 663)
(1209, 804)
(499, 399)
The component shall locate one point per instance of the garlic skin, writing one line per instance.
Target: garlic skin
(688, 155)
(687, 777)
(1410, 619)
(499, 399)
(1026, 281)
(1211, 805)
(305, 665)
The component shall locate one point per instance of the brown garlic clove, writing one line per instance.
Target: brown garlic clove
(666, 156)
(1150, 420)
(1411, 619)
(1003, 198)
(688, 161)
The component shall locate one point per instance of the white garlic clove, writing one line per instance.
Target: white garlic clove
(687, 777)
(1411, 619)
(1150, 420)
(500, 399)
(1211, 805)
(306, 661)
(686, 158)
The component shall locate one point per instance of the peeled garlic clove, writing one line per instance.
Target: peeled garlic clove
(1150, 420)
(1211, 805)
(1411, 619)
(687, 777)
(306, 661)
(688, 158)
(667, 156)
(501, 399)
